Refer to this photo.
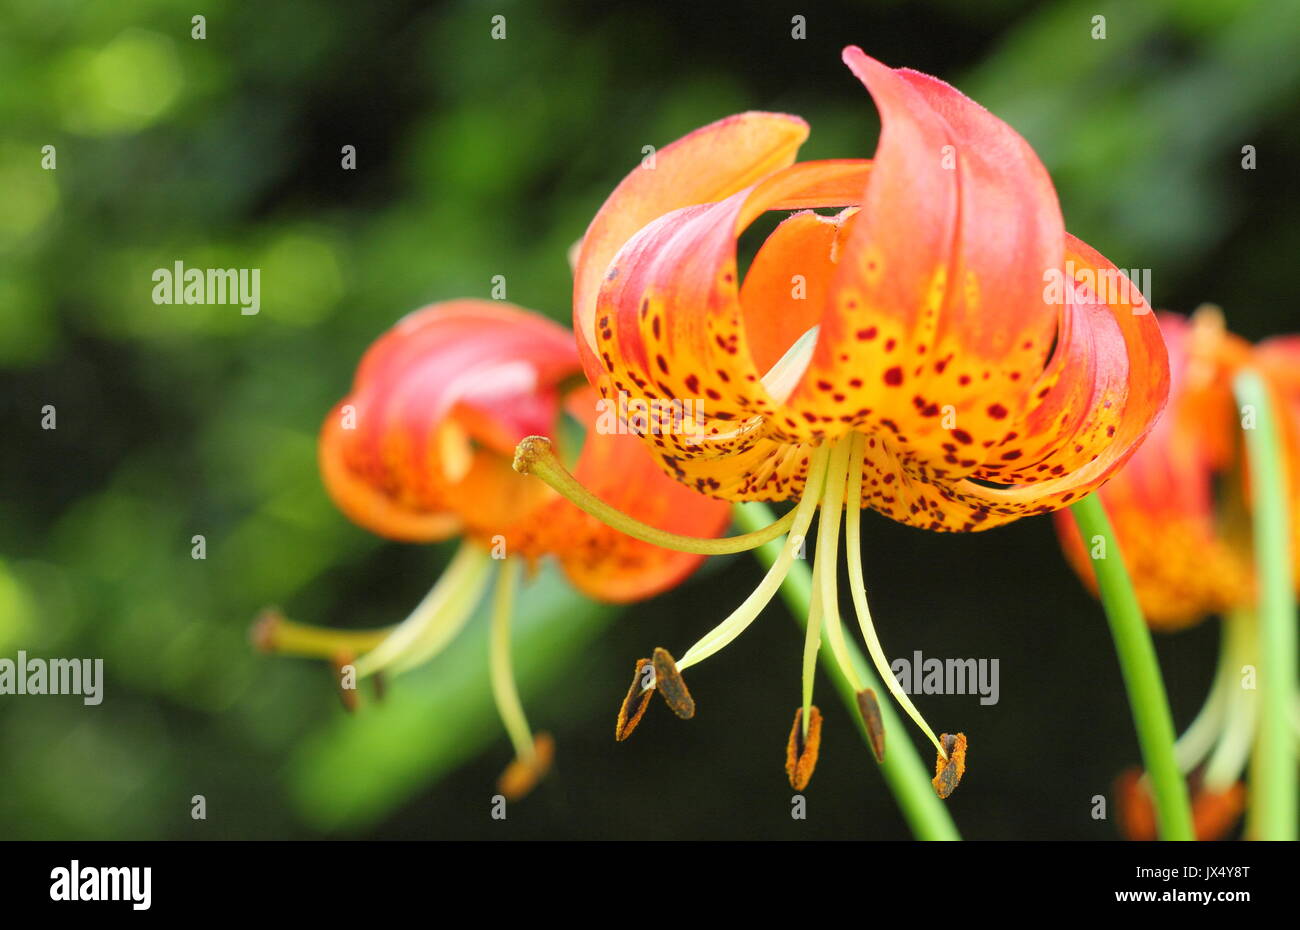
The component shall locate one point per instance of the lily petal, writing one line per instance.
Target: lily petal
(1099, 396)
(709, 164)
(939, 301)
(420, 448)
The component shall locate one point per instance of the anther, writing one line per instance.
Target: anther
(668, 682)
(522, 775)
(262, 634)
(948, 772)
(869, 707)
(637, 700)
(800, 751)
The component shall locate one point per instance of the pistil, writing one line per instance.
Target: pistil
(535, 456)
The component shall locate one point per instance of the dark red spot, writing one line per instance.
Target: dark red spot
(894, 376)
(997, 411)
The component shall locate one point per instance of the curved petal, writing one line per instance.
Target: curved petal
(671, 323)
(939, 304)
(421, 446)
(1105, 386)
(709, 164)
(602, 562)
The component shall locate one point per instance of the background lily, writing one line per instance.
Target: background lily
(420, 451)
(939, 349)
(1179, 509)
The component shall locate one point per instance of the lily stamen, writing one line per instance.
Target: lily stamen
(501, 669)
(833, 486)
(826, 562)
(853, 538)
(532, 755)
(726, 631)
(812, 643)
(437, 619)
(1236, 734)
(273, 632)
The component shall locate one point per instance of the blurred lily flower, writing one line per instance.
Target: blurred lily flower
(938, 349)
(1180, 516)
(420, 451)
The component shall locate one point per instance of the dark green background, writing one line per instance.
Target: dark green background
(475, 158)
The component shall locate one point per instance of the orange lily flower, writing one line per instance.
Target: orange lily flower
(939, 350)
(1178, 512)
(420, 451)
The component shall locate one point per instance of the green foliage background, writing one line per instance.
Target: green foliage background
(476, 158)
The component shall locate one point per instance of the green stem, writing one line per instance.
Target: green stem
(902, 767)
(1273, 774)
(1141, 670)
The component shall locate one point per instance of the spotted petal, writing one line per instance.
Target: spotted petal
(420, 448)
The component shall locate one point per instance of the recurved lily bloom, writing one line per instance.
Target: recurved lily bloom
(420, 451)
(919, 336)
(1180, 516)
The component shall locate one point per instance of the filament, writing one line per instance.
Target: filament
(812, 642)
(853, 539)
(504, 690)
(437, 618)
(744, 615)
(1203, 732)
(1228, 760)
(828, 545)
(272, 632)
